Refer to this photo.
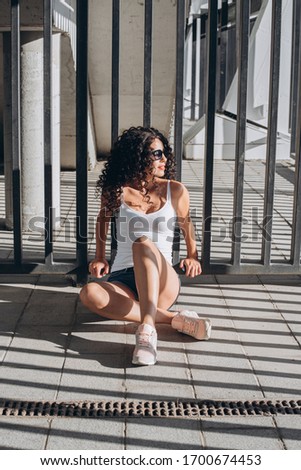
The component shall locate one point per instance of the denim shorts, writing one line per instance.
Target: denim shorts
(125, 276)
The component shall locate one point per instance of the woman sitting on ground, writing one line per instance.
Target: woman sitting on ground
(136, 184)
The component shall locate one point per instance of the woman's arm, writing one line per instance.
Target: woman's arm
(99, 266)
(181, 203)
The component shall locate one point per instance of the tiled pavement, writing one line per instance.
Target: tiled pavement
(52, 349)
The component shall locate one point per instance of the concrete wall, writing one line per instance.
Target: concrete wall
(100, 48)
(31, 12)
(257, 96)
(131, 65)
(64, 20)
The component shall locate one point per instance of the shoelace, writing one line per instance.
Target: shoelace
(190, 326)
(144, 340)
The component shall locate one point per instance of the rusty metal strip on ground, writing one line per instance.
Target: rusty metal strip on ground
(191, 409)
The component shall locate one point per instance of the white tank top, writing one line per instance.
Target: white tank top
(158, 226)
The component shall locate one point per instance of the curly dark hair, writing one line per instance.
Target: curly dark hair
(129, 161)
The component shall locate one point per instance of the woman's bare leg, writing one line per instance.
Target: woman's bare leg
(157, 285)
(117, 302)
(157, 282)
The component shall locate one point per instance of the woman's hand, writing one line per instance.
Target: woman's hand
(99, 267)
(191, 266)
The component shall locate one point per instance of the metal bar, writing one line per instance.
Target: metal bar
(178, 121)
(296, 229)
(203, 61)
(242, 31)
(115, 93)
(16, 129)
(115, 70)
(296, 46)
(231, 65)
(47, 66)
(193, 69)
(82, 139)
(215, 268)
(209, 138)
(248, 269)
(178, 124)
(223, 52)
(148, 27)
(63, 267)
(272, 133)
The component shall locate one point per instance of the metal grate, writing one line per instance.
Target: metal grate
(163, 409)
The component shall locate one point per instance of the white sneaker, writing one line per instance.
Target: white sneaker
(189, 323)
(145, 352)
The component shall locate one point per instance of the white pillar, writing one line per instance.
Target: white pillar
(32, 131)
(56, 125)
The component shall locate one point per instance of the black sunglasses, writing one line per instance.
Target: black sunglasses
(158, 154)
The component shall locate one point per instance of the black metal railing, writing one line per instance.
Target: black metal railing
(214, 59)
(78, 265)
(265, 264)
(16, 130)
(20, 264)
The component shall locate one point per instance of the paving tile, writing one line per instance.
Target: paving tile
(84, 316)
(252, 297)
(271, 348)
(50, 308)
(273, 329)
(29, 384)
(15, 293)
(37, 346)
(100, 338)
(277, 379)
(289, 428)
(10, 313)
(169, 378)
(259, 316)
(86, 434)
(287, 300)
(279, 283)
(241, 433)
(238, 282)
(93, 377)
(221, 371)
(166, 380)
(18, 433)
(56, 283)
(206, 300)
(19, 280)
(267, 333)
(5, 340)
(33, 364)
(163, 433)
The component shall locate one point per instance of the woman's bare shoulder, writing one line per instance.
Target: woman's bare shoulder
(179, 196)
(177, 188)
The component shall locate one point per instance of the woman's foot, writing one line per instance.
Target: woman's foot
(189, 323)
(145, 352)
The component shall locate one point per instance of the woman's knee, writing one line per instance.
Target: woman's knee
(90, 293)
(84, 293)
(144, 244)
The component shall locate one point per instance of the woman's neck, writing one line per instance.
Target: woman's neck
(148, 184)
